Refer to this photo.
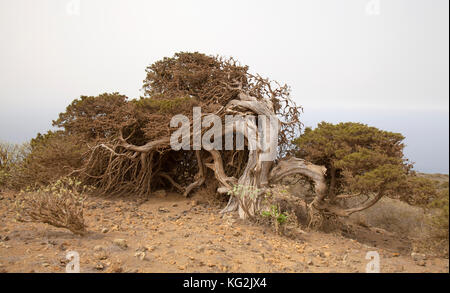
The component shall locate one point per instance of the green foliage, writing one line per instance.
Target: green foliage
(277, 209)
(249, 196)
(191, 74)
(418, 190)
(385, 178)
(358, 158)
(330, 143)
(440, 219)
(275, 214)
(159, 104)
(51, 156)
(96, 117)
(4, 177)
(11, 156)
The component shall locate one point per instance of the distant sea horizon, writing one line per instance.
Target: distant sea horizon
(426, 131)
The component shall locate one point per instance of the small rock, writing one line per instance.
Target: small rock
(140, 255)
(99, 248)
(237, 233)
(116, 268)
(200, 249)
(105, 230)
(220, 248)
(63, 261)
(418, 256)
(101, 255)
(141, 249)
(163, 210)
(4, 245)
(122, 243)
(99, 267)
(309, 262)
(63, 246)
(45, 264)
(150, 248)
(421, 262)
(52, 242)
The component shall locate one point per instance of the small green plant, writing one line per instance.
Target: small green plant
(275, 216)
(274, 213)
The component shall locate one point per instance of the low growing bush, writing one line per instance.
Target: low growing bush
(59, 204)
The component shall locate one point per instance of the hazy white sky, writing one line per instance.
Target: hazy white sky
(387, 65)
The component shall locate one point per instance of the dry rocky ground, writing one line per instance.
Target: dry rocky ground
(175, 234)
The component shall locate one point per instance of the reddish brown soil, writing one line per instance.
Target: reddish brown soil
(174, 234)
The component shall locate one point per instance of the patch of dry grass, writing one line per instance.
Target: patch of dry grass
(394, 216)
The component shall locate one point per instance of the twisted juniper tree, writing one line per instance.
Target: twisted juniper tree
(130, 149)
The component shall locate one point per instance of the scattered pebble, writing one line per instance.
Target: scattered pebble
(122, 243)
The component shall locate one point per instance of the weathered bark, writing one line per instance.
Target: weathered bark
(332, 188)
(293, 166)
(329, 207)
(108, 164)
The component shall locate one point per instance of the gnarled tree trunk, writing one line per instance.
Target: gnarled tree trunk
(120, 166)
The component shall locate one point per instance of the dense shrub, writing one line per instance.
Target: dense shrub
(96, 117)
(417, 190)
(360, 160)
(11, 156)
(50, 157)
(440, 217)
